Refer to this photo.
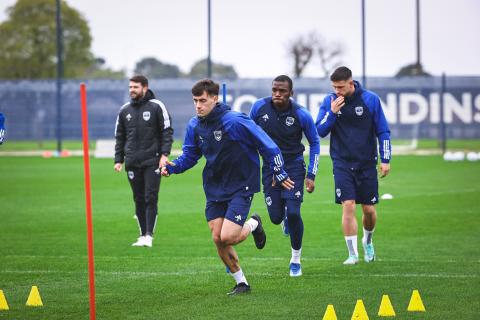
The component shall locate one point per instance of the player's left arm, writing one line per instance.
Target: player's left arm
(310, 131)
(383, 135)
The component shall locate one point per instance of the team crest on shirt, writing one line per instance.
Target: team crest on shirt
(129, 116)
(289, 121)
(146, 115)
(339, 192)
(359, 110)
(265, 117)
(217, 135)
(131, 175)
(268, 201)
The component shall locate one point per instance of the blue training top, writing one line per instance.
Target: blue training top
(229, 142)
(354, 129)
(286, 128)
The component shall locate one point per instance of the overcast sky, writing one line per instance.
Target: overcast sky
(252, 35)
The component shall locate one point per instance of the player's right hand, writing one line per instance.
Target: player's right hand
(117, 167)
(337, 104)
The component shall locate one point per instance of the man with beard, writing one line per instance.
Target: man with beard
(144, 137)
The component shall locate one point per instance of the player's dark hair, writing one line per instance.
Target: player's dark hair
(341, 74)
(284, 78)
(205, 85)
(140, 79)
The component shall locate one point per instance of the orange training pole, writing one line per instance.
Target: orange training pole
(88, 199)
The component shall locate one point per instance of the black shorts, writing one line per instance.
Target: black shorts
(360, 185)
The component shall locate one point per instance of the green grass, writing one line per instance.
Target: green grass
(427, 238)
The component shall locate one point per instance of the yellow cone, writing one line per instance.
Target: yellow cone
(34, 299)
(3, 301)
(416, 303)
(330, 313)
(386, 308)
(359, 313)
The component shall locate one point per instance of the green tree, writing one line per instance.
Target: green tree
(28, 41)
(100, 71)
(153, 68)
(199, 70)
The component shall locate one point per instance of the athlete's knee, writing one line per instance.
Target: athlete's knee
(276, 218)
(348, 206)
(368, 210)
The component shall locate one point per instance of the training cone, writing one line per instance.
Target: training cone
(4, 304)
(416, 303)
(34, 299)
(386, 308)
(359, 313)
(330, 313)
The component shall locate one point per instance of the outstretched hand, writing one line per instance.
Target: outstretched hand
(163, 170)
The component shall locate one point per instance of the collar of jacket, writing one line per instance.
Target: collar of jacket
(147, 97)
(216, 113)
(358, 91)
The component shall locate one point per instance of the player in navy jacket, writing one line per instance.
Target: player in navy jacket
(355, 120)
(230, 142)
(285, 121)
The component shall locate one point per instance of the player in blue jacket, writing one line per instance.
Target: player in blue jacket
(230, 142)
(2, 128)
(285, 121)
(355, 120)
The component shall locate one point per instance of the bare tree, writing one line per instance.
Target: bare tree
(301, 49)
(304, 47)
(330, 54)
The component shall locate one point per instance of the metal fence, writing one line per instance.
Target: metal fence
(412, 105)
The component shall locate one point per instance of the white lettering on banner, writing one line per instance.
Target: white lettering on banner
(435, 108)
(390, 108)
(452, 106)
(240, 100)
(406, 100)
(315, 100)
(476, 118)
(403, 108)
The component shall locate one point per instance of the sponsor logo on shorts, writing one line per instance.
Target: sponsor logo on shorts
(146, 115)
(374, 200)
(289, 121)
(238, 217)
(131, 175)
(339, 192)
(359, 110)
(268, 201)
(298, 194)
(218, 135)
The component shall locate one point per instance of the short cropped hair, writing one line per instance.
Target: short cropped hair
(341, 74)
(205, 85)
(140, 79)
(284, 78)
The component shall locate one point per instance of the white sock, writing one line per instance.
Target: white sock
(352, 245)
(367, 236)
(239, 277)
(252, 223)
(296, 254)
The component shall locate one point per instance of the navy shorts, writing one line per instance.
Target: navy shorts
(296, 172)
(360, 185)
(235, 210)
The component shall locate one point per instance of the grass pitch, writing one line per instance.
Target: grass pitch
(427, 238)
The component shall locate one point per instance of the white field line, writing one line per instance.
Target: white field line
(116, 258)
(267, 274)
